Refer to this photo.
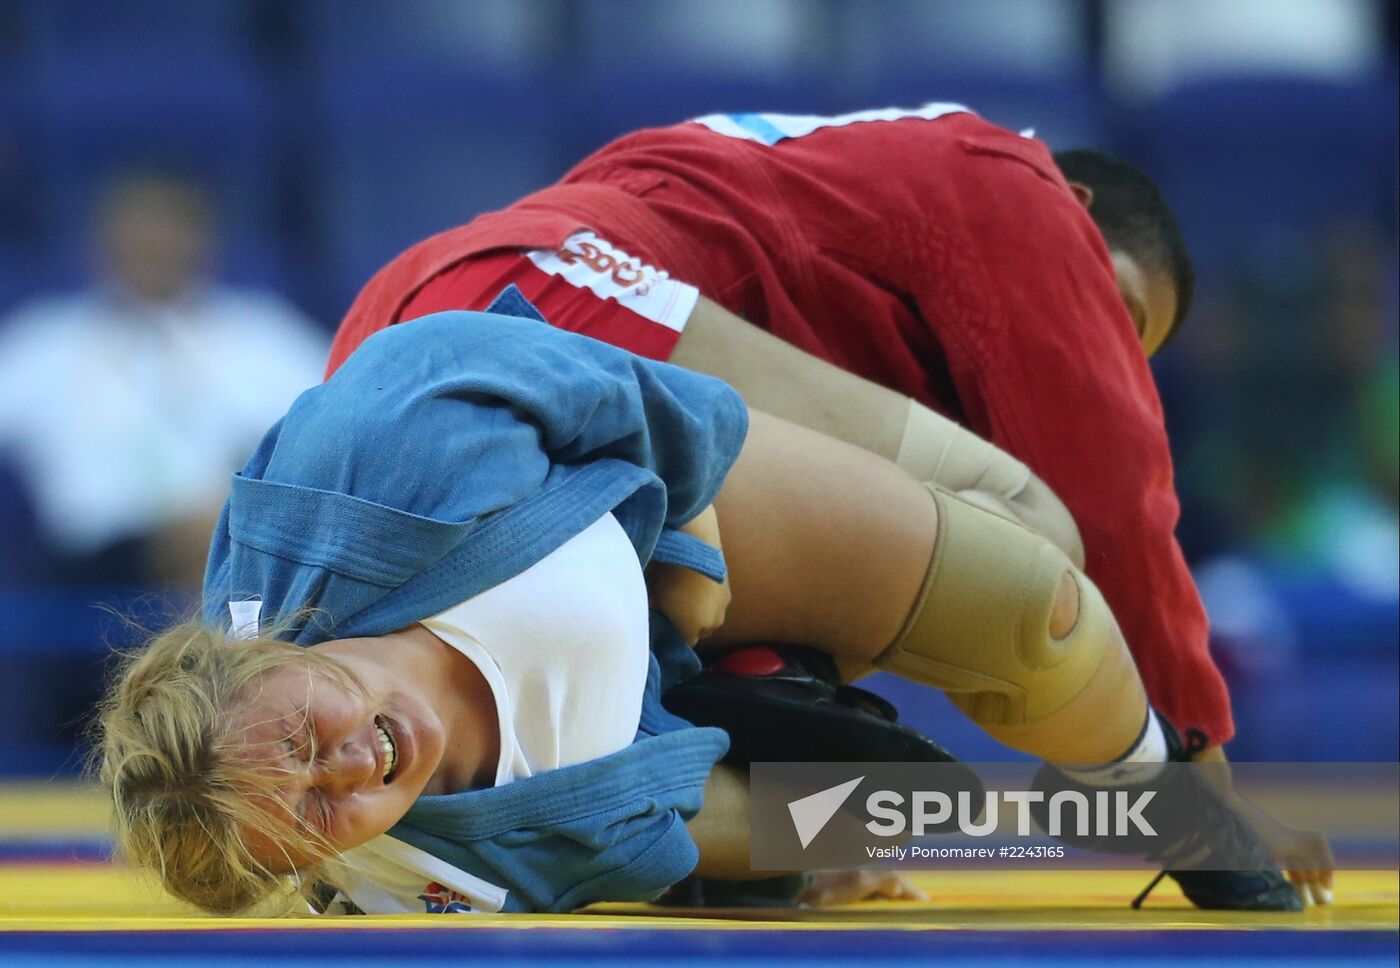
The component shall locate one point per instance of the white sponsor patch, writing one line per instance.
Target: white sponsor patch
(769, 129)
(588, 262)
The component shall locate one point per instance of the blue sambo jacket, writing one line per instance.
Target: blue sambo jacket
(450, 454)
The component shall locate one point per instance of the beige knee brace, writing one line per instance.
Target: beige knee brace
(942, 453)
(980, 628)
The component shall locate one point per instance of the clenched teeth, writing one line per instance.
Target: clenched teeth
(386, 744)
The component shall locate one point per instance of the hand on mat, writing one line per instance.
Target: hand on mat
(695, 604)
(1304, 855)
(848, 887)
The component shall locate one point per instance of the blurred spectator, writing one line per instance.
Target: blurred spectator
(126, 405)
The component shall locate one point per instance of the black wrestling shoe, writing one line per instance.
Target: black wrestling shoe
(1210, 851)
(1264, 889)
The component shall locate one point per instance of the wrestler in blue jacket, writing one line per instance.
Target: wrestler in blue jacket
(447, 456)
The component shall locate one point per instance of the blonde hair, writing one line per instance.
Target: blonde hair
(184, 791)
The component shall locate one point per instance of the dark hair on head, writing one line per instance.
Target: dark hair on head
(1133, 216)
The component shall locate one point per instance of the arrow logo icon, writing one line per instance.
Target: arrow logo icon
(811, 813)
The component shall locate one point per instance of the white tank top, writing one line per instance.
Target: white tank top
(564, 648)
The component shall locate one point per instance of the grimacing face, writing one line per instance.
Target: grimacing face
(373, 754)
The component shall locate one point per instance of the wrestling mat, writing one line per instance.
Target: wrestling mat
(63, 902)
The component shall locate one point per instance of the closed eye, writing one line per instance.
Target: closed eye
(315, 812)
(312, 810)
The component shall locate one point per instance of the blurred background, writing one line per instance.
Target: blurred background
(192, 191)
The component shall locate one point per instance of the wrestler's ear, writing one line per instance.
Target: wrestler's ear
(1083, 193)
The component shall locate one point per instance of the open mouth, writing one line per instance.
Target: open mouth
(387, 746)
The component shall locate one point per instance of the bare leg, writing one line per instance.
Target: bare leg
(827, 544)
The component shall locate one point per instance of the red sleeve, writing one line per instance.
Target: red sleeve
(1047, 365)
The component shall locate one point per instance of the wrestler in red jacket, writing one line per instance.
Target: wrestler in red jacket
(927, 251)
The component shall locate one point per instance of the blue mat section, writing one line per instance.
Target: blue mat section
(549, 946)
(95, 850)
(548, 961)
